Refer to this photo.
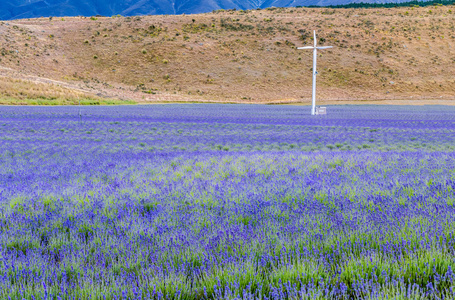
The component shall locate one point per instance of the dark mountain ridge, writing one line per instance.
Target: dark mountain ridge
(20, 9)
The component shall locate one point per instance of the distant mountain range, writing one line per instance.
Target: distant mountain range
(18, 9)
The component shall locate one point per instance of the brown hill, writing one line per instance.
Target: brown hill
(237, 56)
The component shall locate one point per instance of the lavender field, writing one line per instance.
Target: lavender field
(227, 202)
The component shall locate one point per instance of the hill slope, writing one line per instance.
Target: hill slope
(241, 56)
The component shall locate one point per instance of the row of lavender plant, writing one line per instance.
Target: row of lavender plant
(112, 207)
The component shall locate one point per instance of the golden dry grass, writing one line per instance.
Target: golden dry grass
(244, 56)
(25, 92)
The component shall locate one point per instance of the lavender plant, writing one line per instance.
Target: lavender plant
(227, 202)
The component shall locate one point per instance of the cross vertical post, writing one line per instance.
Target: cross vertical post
(315, 49)
(315, 72)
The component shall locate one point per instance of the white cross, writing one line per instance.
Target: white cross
(315, 55)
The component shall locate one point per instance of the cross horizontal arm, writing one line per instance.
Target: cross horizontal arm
(325, 47)
(307, 47)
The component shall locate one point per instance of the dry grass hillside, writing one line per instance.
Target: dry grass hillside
(238, 56)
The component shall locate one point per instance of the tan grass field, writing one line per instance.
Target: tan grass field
(380, 56)
(27, 92)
